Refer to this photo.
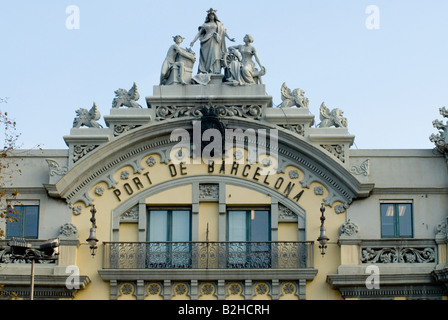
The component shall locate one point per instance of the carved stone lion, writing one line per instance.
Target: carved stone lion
(293, 98)
(87, 118)
(126, 98)
(331, 118)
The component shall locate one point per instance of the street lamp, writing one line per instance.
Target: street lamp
(323, 239)
(92, 240)
(21, 249)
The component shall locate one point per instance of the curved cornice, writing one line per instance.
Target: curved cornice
(292, 150)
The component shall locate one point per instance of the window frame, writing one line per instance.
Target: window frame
(249, 253)
(169, 259)
(396, 219)
(169, 221)
(22, 219)
(248, 224)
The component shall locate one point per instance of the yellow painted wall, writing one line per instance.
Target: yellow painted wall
(128, 232)
(287, 231)
(208, 217)
(176, 196)
(208, 213)
(236, 195)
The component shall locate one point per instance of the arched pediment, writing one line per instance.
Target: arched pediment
(132, 150)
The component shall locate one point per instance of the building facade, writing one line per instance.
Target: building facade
(209, 192)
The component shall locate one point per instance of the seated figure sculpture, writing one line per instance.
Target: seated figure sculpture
(178, 64)
(242, 71)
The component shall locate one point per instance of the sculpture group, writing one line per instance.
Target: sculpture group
(214, 56)
(239, 63)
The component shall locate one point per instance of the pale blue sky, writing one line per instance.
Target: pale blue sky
(390, 82)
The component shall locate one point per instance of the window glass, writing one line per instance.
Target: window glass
(237, 225)
(396, 220)
(252, 228)
(14, 229)
(405, 219)
(249, 225)
(387, 220)
(169, 225)
(180, 221)
(260, 230)
(158, 225)
(26, 224)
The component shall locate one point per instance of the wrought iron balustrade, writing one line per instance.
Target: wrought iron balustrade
(208, 255)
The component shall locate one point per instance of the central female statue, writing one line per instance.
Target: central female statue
(213, 46)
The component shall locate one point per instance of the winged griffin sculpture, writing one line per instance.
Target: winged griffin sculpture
(331, 118)
(441, 139)
(87, 118)
(293, 98)
(126, 98)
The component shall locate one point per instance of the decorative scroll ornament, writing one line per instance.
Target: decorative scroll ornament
(442, 231)
(124, 175)
(286, 214)
(208, 191)
(154, 289)
(120, 129)
(441, 139)
(79, 151)
(235, 289)
(261, 288)
(55, 168)
(151, 161)
(398, 255)
(363, 169)
(68, 231)
(126, 98)
(130, 215)
(349, 229)
(335, 149)
(87, 118)
(208, 289)
(289, 288)
(318, 190)
(127, 289)
(331, 118)
(181, 289)
(339, 208)
(243, 111)
(99, 191)
(77, 210)
(293, 98)
(294, 174)
(296, 128)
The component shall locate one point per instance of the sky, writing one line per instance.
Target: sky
(383, 62)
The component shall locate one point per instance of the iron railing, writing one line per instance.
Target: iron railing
(208, 255)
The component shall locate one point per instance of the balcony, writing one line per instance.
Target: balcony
(225, 265)
(208, 255)
(400, 267)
